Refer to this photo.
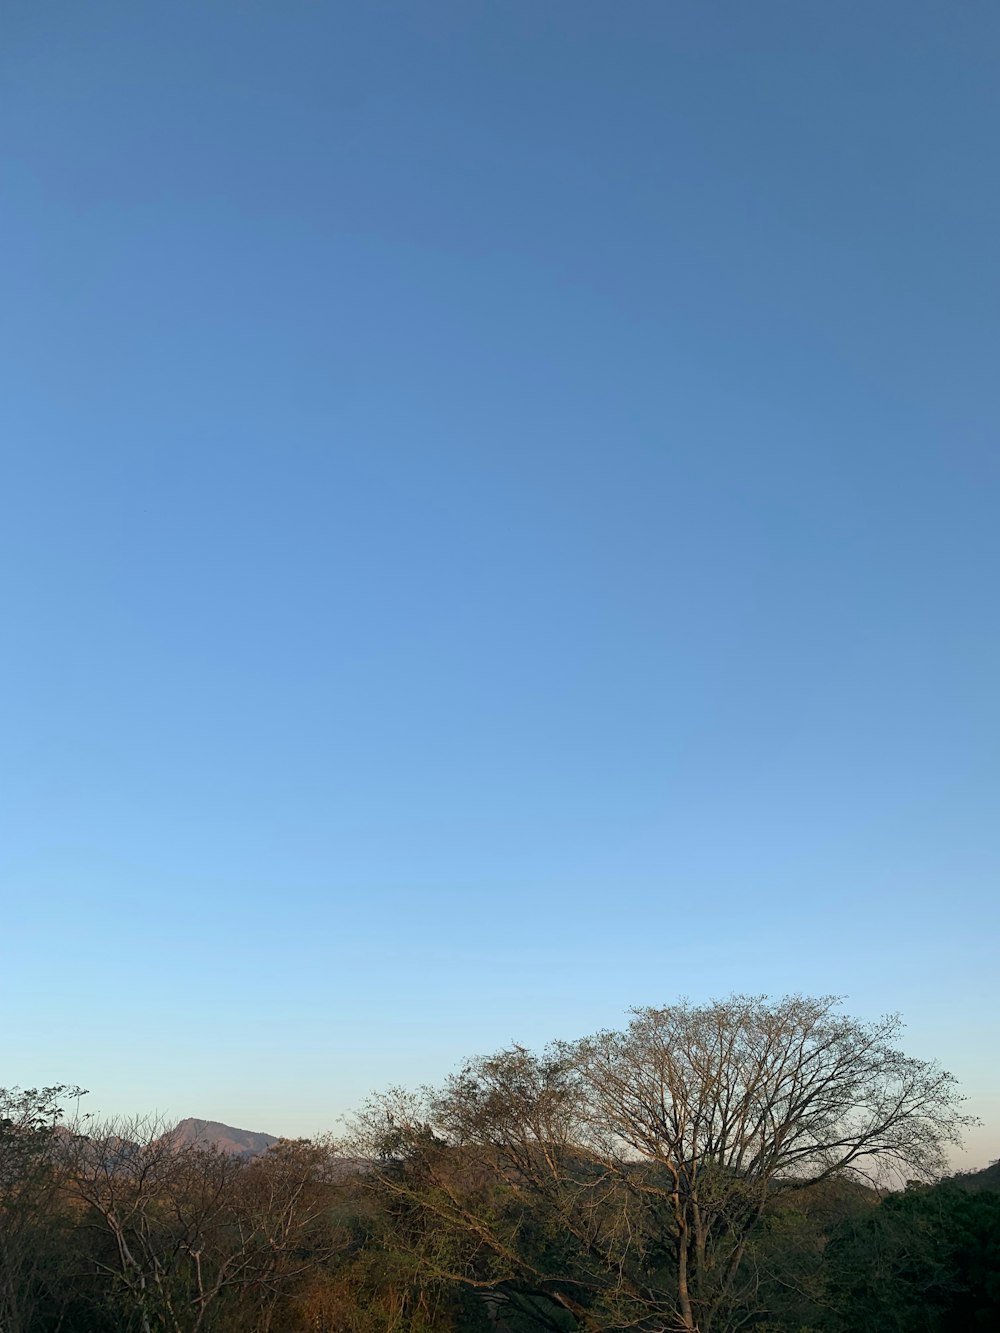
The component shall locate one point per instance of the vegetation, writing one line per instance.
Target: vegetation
(740, 1165)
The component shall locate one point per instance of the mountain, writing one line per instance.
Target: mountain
(986, 1179)
(226, 1138)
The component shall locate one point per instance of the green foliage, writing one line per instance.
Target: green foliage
(928, 1259)
(32, 1241)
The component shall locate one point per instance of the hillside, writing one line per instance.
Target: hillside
(986, 1179)
(214, 1134)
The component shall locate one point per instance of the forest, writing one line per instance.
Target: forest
(745, 1164)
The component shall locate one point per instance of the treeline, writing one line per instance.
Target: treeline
(771, 1166)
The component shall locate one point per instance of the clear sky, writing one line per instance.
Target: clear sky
(499, 524)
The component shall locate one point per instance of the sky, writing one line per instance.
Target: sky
(499, 524)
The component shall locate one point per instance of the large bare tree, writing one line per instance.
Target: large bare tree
(622, 1178)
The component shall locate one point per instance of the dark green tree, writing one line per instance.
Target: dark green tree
(927, 1260)
(32, 1243)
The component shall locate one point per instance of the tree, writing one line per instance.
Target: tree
(620, 1180)
(187, 1237)
(928, 1258)
(288, 1216)
(29, 1139)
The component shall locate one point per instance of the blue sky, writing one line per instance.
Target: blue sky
(499, 524)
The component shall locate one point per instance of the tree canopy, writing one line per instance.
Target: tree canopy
(769, 1165)
(646, 1158)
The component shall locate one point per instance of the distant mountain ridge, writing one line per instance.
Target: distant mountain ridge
(986, 1179)
(225, 1138)
(193, 1132)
